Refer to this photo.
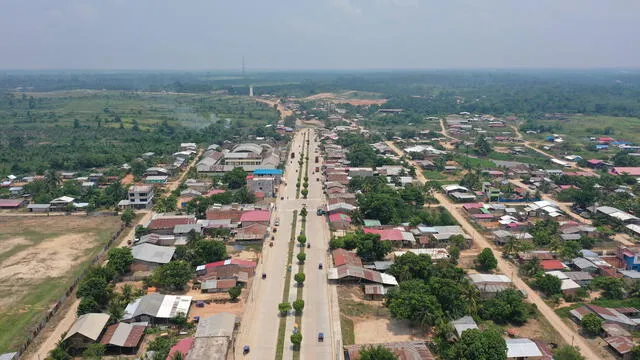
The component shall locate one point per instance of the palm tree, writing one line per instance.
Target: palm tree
(115, 310)
(127, 294)
(471, 297)
(52, 179)
(510, 246)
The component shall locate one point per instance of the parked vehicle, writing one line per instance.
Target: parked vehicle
(245, 349)
(264, 275)
(308, 245)
(320, 266)
(320, 337)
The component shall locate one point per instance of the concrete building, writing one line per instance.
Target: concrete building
(139, 197)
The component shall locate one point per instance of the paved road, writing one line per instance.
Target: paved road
(260, 322)
(567, 333)
(317, 315)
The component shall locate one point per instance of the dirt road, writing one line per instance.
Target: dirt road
(283, 112)
(567, 334)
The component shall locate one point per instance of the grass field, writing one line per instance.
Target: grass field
(577, 129)
(146, 109)
(39, 258)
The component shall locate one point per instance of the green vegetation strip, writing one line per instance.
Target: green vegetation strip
(299, 183)
(303, 231)
(285, 292)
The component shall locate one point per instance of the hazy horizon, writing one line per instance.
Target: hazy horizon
(322, 35)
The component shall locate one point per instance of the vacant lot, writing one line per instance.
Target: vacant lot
(39, 258)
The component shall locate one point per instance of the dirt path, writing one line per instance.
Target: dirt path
(568, 335)
(283, 112)
(64, 324)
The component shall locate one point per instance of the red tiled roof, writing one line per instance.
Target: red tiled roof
(170, 223)
(11, 202)
(386, 234)
(214, 192)
(339, 217)
(473, 206)
(184, 346)
(595, 161)
(345, 257)
(239, 262)
(255, 215)
(633, 171)
(552, 265)
(251, 232)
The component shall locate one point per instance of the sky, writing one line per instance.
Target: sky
(318, 34)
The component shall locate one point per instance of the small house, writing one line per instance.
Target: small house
(86, 330)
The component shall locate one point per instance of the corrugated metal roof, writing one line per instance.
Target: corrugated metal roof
(621, 344)
(522, 348)
(124, 335)
(153, 253)
(221, 324)
(89, 325)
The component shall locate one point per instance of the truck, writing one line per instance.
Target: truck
(317, 159)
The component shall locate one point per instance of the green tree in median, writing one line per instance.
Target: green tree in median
(296, 340)
(298, 306)
(299, 278)
(284, 308)
(302, 239)
(592, 324)
(376, 352)
(301, 257)
(486, 260)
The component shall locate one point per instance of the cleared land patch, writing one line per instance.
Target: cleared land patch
(39, 258)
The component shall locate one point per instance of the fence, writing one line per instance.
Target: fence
(58, 304)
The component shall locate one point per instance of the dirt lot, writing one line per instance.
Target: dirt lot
(372, 323)
(39, 257)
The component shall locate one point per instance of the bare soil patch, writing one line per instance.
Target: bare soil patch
(363, 102)
(39, 257)
(52, 258)
(320, 96)
(372, 323)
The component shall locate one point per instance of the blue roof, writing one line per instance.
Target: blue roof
(602, 146)
(267, 172)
